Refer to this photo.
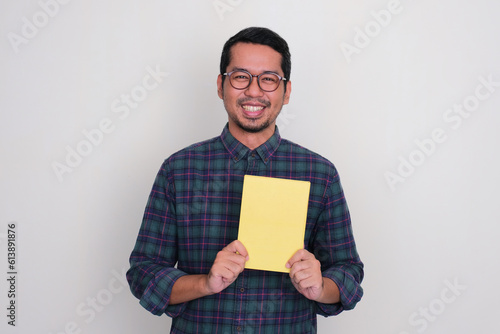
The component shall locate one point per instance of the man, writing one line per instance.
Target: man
(187, 261)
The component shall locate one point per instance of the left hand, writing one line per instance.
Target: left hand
(305, 273)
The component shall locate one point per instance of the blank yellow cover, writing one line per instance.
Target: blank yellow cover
(272, 220)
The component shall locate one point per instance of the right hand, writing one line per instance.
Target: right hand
(228, 264)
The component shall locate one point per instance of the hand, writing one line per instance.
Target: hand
(228, 264)
(305, 273)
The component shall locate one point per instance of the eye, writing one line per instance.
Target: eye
(240, 76)
(269, 78)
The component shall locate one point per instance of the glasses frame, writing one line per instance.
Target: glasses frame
(228, 74)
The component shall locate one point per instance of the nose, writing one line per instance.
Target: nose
(254, 89)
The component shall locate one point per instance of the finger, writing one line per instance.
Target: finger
(299, 266)
(237, 247)
(222, 272)
(303, 269)
(229, 259)
(227, 269)
(312, 281)
(298, 275)
(300, 255)
(309, 283)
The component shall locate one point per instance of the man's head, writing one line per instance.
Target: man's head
(258, 35)
(252, 98)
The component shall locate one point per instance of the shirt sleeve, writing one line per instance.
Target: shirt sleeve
(334, 246)
(152, 272)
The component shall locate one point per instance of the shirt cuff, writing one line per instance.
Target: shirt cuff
(156, 297)
(350, 292)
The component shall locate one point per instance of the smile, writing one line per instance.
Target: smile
(252, 108)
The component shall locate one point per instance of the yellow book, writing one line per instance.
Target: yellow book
(272, 220)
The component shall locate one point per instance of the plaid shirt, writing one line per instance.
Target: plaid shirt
(193, 212)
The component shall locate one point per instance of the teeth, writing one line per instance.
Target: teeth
(252, 108)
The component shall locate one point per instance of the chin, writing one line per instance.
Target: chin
(254, 127)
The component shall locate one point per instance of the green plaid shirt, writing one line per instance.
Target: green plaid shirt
(193, 212)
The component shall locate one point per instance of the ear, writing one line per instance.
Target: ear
(286, 97)
(219, 86)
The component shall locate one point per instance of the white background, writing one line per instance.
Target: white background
(435, 226)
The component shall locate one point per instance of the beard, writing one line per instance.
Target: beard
(252, 128)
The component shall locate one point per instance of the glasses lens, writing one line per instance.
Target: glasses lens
(269, 81)
(240, 80)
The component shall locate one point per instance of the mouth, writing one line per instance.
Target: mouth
(253, 109)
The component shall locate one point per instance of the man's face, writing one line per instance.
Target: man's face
(252, 109)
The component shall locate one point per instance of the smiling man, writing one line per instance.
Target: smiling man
(187, 261)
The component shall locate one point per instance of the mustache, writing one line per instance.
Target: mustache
(249, 99)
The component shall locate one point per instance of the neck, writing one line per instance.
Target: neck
(252, 140)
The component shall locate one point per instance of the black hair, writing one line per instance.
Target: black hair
(258, 35)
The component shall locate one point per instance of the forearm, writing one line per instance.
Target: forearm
(189, 287)
(330, 294)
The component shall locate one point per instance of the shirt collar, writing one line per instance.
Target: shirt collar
(238, 151)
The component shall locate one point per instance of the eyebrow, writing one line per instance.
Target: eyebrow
(244, 69)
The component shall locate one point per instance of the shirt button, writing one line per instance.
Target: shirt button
(242, 290)
(238, 328)
(253, 154)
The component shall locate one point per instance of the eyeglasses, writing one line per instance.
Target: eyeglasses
(267, 81)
